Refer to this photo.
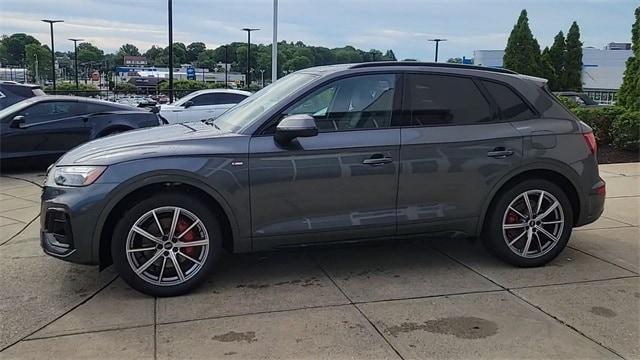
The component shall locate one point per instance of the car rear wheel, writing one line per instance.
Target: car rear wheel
(166, 245)
(530, 223)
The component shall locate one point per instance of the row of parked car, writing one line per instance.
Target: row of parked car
(33, 124)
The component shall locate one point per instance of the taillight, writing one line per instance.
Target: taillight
(590, 139)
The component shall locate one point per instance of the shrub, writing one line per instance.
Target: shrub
(70, 89)
(125, 87)
(600, 119)
(625, 131)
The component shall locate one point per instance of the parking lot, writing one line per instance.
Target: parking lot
(420, 299)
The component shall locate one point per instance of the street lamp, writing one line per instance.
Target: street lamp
(226, 66)
(437, 41)
(274, 47)
(249, 30)
(262, 73)
(170, 10)
(75, 61)
(53, 52)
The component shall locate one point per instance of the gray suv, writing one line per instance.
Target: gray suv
(329, 154)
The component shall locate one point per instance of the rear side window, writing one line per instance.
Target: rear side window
(224, 99)
(445, 100)
(511, 106)
(50, 110)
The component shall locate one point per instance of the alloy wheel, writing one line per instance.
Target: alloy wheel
(533, 223)
(167, 246)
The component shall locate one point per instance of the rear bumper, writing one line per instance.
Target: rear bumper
(593, 204)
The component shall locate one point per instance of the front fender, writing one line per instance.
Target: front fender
(216, 176)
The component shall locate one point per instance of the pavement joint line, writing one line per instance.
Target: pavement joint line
(573, 282)
(621, 197)
(18, 178)
(620, 221)
(21, 230)
(565, 324)
(356, 307)
(605, 228)
(601, 259)
(84, 301)
(532, 305)
(429, 296)
(155, 327)
(85, 332)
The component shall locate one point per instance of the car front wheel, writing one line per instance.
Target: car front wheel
(530, 223)
(166, 245)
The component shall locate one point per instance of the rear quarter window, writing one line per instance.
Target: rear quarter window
(510, 104)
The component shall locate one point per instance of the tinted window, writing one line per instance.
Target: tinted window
(445, 100)
(511, 106)
(224, 98)
(50, 110)
(204, 99)
(96, 108)
(360, 102)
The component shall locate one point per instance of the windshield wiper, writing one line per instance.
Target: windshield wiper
(212, 123)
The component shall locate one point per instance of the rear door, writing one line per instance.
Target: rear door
(455, 147)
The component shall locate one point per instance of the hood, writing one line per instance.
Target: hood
(171, 140)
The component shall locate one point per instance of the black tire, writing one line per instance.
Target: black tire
(137, 211)
(494, 237)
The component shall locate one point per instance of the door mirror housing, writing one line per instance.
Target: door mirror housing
(18, 122)
(188, 104)
(295, 126)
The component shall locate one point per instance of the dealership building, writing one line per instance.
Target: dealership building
(602, 69)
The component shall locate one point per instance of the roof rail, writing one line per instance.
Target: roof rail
(431, 64)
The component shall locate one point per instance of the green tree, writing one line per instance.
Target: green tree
(629, 94)
(547, 70)
(572, 78)
(390, 56)
(194, 50)
(128, 50)
(40, 55)
(3, 49)
(556, 58)
(87, 53)
(155, 56)
(522, 53)
(179, 54)
(15, 47)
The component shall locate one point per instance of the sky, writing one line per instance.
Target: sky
(405, 26)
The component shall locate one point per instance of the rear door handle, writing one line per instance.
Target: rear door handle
(500, 153)
(378, 159)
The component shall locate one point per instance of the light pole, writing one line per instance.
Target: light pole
(437, 41)
(75, 60)
(262, 73)
(274, 47)
(53, 52)
(170, 10)
(249, 30)
(226, 66)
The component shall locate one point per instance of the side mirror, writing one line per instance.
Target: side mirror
(188, 104)
(17, 122)
(295, 126)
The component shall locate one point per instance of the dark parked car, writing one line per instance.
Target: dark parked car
(12, 92)
(349, 152)
(48, 126)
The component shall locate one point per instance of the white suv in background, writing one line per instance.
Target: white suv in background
(202, 105)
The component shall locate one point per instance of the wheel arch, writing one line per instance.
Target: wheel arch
(561, 175)
(141, 188)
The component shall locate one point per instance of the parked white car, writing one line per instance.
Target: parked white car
(202, 105)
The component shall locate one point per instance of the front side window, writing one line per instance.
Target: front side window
(204, 100)
(359, 102)
(511, 106)
(445, 100)
(50, 110)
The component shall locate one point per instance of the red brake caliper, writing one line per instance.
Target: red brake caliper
(181, 226)
(512, 217)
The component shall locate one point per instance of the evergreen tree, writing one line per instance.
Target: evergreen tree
(522, 53)
(572, 75)
(547, 69)
(629, 94)
(556, 58)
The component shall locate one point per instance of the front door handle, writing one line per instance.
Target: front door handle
(500, 153)
(378, 159)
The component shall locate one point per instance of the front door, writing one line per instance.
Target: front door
(339, 184)
(456, 147)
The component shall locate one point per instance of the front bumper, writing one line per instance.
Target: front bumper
(69, 217)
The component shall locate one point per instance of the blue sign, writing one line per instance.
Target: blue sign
(191, 73)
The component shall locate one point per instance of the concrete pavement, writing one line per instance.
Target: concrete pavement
(420, 299)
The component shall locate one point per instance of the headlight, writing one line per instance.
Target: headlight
(77, 175)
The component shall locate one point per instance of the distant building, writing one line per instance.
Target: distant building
(602, 69)
(124, 73)
(145, 84)
(135, 61)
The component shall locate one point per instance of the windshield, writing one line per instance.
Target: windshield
(259, 103)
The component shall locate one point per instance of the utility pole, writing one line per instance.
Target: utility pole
(170, 10)
(274, 47)
(226, 66)
(53, 52)
(75, 55)
(248, 78)
(262, 73)
(36, 70)
(437, 41)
